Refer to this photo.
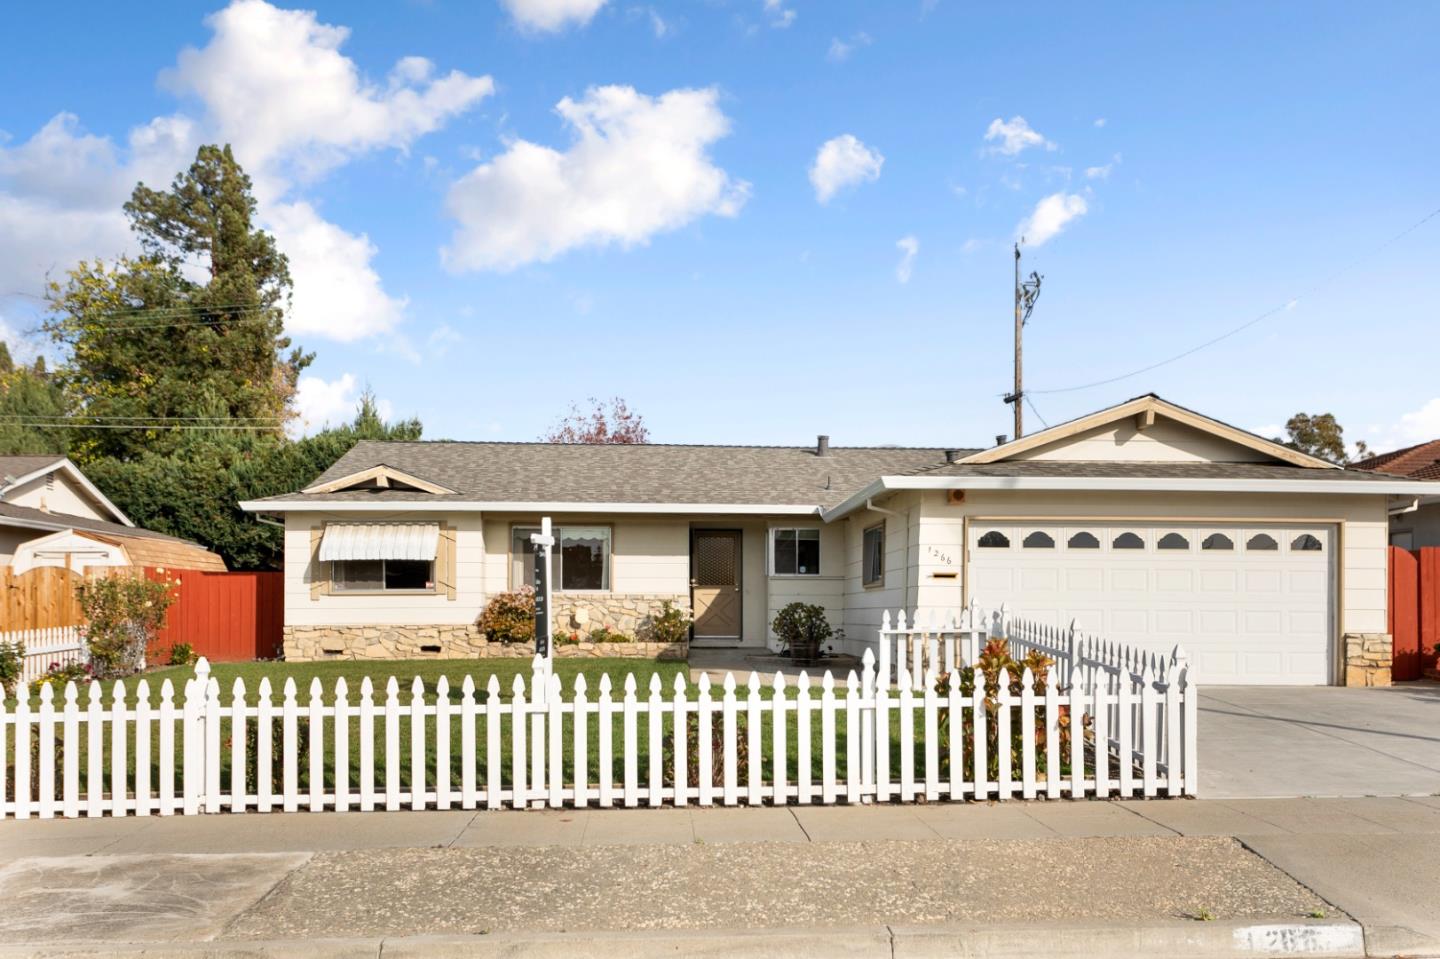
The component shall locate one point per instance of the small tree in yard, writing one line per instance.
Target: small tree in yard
(601, 424)
(123, 613)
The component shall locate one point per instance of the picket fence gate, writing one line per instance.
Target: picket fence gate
(774, 742)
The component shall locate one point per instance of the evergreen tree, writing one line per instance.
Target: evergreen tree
(149, 345)
(30, 398)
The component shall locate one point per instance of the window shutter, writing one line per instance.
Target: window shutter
(319, 571)
(445, 561)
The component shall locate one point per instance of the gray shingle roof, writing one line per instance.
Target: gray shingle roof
(18, 466)
(651, 473)
(60, 521)
(1083, 468)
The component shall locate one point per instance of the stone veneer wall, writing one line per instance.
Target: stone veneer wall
(1368, 657)
(627, 613)
(305, 644)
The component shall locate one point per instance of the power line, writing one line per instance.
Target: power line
(1031, 403)
(1287, 305)
(63, 425)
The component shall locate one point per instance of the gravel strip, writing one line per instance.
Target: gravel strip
(398, 892)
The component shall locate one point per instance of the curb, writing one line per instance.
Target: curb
(1340, 939)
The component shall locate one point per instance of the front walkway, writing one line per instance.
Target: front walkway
(1258, 741)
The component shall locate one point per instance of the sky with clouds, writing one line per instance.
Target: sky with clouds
(758, 220)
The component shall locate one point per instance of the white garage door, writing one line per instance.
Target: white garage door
(1250, 604)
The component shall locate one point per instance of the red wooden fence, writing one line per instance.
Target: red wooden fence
(1414, 610)
(226, 617)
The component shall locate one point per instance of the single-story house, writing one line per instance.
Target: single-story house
(52, 515)
(1415, 522)
(1143, 523)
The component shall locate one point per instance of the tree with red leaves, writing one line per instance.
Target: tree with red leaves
(603, 423)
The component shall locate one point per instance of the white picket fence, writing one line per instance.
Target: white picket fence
(771, 742)
(1132, 692)
(53, 646)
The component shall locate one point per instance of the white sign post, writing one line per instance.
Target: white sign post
(543, 666)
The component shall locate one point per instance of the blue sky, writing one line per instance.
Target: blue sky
(460, 246)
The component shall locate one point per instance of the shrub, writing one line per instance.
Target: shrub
(12, 661)
(802, 627)
(603, 634)
(510, 617)
(60, 675)
(994, 657)
(670, 625)
(123, 613)
(183, 654)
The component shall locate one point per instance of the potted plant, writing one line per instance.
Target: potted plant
(802, 628)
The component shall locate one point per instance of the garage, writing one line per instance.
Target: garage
(1251, 604)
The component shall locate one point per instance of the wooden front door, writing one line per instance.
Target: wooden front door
(715, 584)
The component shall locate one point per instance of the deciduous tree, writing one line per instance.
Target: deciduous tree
(603, 422)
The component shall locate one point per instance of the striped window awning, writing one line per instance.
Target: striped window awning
(379, 541)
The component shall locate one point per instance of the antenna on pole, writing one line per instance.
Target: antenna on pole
(1026, 294)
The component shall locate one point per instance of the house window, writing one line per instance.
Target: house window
(382, 575)
(1173, 541)
(795, 552)
(1083, 540)
(580, 558)
(1218, 541)
(994, 540)
(1128, 541)
(1306, 543)
(873, 556)
(1039, 540)
(1262, 541)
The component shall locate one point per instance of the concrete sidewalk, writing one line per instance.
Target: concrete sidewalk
(942, 869)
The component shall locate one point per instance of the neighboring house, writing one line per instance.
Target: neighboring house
(1416, 522)
(1143, 523)
(51, 515)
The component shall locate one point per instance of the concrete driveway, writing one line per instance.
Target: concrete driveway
(1272, 741)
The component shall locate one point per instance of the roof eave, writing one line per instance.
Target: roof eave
(73, 471)
(461, 506)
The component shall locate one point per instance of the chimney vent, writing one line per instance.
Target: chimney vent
(1000, 439)
(952, 456)
(822, 445)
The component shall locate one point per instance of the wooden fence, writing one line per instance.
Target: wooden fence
(224, 616)
(852, 740)
(1414, 620)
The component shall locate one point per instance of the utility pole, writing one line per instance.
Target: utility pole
(1026, 294)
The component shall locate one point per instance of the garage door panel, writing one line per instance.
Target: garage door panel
(1263, 581)
(1135, 621)
(1135, 580)
(1085, 579)
(1219, 580)
(1174, 580)
(1243, 615)
(1039, 579)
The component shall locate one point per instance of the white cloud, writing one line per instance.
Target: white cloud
(549, 16)
(638, 166)
(1099, 122)
(320, 403)
(909, 248)
(274, 84)
(840, 50)
(780, 15)
(1418, 426)
(1013, 136)
(1051, 215)
(1102, 172)
(658, 24)
(337, 293)
(841, 162)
